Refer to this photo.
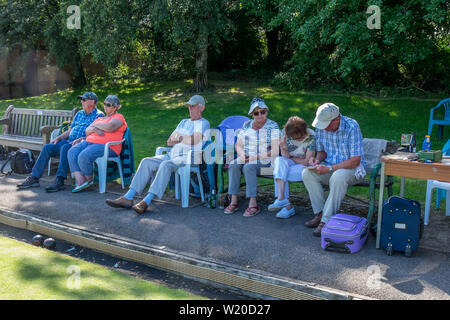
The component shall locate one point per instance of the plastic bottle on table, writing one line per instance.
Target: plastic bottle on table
(426, 146)
(413, 143)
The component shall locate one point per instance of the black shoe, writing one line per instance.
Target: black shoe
(57, 185)
(29, 183)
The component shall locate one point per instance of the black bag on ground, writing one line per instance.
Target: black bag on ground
(21, 161)
(3, 153)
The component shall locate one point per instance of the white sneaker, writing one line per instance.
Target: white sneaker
(285, 213)
(277, 204)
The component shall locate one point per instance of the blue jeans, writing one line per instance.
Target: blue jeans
(82, 156)
(53, 150)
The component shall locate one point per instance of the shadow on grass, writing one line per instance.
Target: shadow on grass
(50, 274)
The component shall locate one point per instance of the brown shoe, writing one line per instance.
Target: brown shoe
(314, 222)
(140, 207)
(120, 202)
(318, 231)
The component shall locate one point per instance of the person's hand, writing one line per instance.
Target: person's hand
(177, 138)
(313, 162)
(76, 141)
(99, 131)
(322, 169)
(55, 141)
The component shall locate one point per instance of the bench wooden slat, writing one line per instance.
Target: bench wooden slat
(28, 125)
(43, 112)
(24, 126)
(14, 123)
(33, 125)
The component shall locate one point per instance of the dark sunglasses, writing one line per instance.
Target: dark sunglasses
(109, 105)
(263, 112)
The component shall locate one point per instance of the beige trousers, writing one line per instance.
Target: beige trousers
(338, 181)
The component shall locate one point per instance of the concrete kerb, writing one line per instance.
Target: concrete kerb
(253, 283)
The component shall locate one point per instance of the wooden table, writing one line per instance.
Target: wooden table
(408, 169)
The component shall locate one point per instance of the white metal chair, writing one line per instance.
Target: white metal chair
(183, 178)
(102, 166)
(431, 184)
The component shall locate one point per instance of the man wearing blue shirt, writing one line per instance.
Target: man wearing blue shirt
(61, 145)
(339, 163)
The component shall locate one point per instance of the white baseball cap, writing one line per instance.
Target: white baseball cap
(325, 114)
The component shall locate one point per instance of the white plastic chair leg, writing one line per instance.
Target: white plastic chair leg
(177, 186)
(185, 179)
(101, 165)
(447, 204)
(202, 194)
(428, 201)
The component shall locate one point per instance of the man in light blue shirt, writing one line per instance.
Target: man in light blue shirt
(339, 162)
(188, 135)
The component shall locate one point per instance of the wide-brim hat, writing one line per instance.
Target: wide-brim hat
(257, 103)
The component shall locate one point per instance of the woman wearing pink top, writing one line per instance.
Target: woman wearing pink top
(82, 155)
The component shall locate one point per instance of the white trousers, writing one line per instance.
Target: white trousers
(287, 170)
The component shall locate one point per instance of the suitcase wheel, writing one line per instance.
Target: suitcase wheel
(408, 251)
(389, 249)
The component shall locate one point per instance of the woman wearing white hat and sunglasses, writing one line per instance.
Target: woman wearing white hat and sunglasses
(253, 147)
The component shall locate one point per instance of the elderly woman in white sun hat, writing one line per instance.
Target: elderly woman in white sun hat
(254, 150)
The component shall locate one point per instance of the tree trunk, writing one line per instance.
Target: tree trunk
(201, 65)
(79, 77)
(273, 57)
(31, 84)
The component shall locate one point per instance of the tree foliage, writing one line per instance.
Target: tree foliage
(313, 42)
(34, 24)
(335, 46)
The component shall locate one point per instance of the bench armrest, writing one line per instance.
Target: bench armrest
(5, 121)
(46, 132)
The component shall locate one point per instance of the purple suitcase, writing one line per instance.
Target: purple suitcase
(344, 233)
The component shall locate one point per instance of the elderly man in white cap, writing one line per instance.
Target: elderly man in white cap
(339, 163)
(188, 135)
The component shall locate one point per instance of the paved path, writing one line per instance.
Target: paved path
(280, 247)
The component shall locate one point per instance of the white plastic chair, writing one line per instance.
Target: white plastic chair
(53, 135)
(183, 178)
(431, 184)
(102, 165)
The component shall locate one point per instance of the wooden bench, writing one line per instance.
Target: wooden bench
(31, 128)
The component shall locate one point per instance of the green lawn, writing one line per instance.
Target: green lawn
(28, 272)
(153, 110)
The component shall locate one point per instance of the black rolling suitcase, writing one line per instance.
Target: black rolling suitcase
(401, 226)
